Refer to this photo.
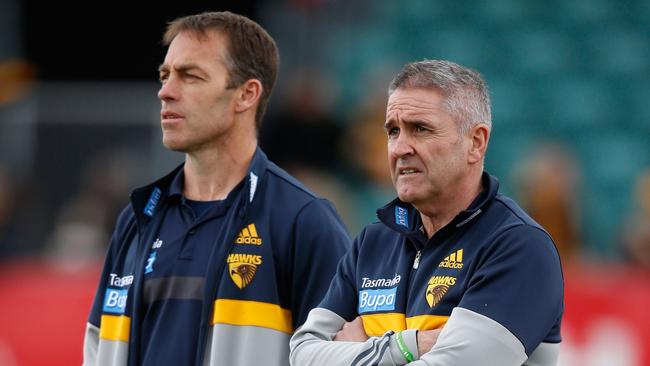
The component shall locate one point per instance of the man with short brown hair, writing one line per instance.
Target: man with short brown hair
(219, 261)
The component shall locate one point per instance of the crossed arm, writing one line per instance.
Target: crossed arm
(467, 339)
(501, 320)
(354, 332)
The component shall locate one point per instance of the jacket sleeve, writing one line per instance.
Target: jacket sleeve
(91, 337)
(321, 239)
(519, 284)
(469, 339)
(313, 343)
(91, 344)
(510, 305)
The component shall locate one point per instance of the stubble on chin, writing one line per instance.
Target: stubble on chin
(403, 193)
(173, 145)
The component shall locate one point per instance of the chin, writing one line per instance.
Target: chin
(407, 197)
(174, 145)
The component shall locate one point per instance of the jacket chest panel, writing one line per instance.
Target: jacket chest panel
(250, 271)
(393, 285)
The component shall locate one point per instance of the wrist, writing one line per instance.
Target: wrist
(403, 346)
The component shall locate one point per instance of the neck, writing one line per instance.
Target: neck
(212, 172)
(441, 211)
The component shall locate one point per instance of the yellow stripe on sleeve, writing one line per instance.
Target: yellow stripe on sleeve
(115, 328)
(261, 314)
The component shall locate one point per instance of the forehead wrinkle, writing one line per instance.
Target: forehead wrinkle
(410, 110)
(417, 104)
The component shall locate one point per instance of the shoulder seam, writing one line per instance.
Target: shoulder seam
(521, 219)
(309, 202)
(303, 189)
(522, 222)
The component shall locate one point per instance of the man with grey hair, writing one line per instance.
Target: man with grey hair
(454, 273)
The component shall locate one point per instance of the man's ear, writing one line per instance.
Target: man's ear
(248, 95)
(479, 136)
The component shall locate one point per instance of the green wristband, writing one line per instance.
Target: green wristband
(402, 347)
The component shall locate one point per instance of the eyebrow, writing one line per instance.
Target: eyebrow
(414, 120)
(181, 68)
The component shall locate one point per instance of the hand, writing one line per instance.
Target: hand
(427, 339)
(352, 332)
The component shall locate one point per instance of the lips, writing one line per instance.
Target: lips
(170, 115)
(407, 170)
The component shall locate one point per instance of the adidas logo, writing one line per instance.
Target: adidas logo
(248, 235)
(454, 260)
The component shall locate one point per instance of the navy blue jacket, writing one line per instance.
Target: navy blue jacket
(273, 258)
(492, 260)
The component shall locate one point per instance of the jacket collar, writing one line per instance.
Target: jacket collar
(405, 219)
(147, 200)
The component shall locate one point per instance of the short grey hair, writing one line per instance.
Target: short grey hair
(465, 92)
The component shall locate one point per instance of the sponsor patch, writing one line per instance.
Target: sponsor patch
(157, 244)
(437, 288)
(153, 202)
(117, 281)
(401, 216)
(242, 268)
(377, 300)
(380, 282)
(115, 301)
(150, 261)
(453, 260)
(249, 235)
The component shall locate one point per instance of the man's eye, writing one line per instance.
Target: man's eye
(393, 131)
(420, 129)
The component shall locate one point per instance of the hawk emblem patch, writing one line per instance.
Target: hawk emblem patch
(241, 273)
(437, 288)
(242, 268)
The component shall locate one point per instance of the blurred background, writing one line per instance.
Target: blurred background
(570, 85)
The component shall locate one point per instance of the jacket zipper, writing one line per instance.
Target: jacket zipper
(416, 261)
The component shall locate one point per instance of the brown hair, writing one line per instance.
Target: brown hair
(252, 53)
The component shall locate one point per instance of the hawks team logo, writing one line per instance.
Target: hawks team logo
(242, 268)
(437, 288)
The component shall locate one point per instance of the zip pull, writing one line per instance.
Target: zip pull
(416, 262)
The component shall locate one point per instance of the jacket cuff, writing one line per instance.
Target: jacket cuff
(410, 340)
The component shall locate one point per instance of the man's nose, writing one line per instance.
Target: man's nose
(402, 146)
(168, 90)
